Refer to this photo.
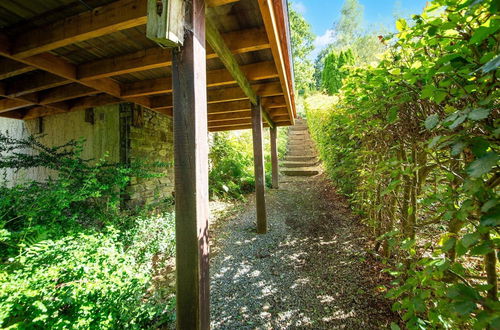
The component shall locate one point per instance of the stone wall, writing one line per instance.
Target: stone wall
(148, 138)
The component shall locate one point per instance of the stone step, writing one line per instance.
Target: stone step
(299, 136)
(305, 143)
(298, 128)
(301, 153)
(298, 133)
(301, 148)
(291, 164)
(301, 171)
(289, 158)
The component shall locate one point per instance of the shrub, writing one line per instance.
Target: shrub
(79, 194)
(414, 141)
(83, 281)
(64, 266)
(231, 162)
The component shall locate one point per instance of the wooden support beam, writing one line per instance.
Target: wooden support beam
(231, 122)
(191, 172)
(234, 106)
(116, 16)
(66, 70)
(64, 93)
(238, 41)
(273, 132)
(33, 82)
(146, 59)
(260, 178)
(73, 105)
(218, 117)
(216, 3)
(227, 58)
(215, 78)
(274, 102)
(223, 95)
(270, 17)
(10, 68)
(235, 93)
(7, 105)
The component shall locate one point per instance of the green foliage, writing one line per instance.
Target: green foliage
(414, 143)
(231, 162)
(63, 264)
(335, 70)
(363, 45)
(78, 193)
(85, 281)
(302, 39)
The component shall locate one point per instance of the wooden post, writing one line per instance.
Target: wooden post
(274, 156)
(191, 172)
(260, 179)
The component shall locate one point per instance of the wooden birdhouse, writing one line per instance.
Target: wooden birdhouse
(165, 23)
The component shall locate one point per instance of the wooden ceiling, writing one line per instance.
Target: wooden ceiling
(58, 56)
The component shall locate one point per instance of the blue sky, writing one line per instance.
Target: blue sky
(322, 13)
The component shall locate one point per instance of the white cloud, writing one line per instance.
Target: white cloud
(322, 41)
(299, 7)
(325, 39)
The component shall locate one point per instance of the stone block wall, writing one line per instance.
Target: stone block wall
(147, 137)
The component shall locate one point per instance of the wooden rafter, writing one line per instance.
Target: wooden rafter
(31, 83)
(74, 105)
(64, 93)
(227, 58)
(10, 68)
(215, 78)
(270, 21)
(223, 95)
(238, 41)
(116, 16)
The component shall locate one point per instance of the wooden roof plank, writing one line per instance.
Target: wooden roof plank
(238, 41)
(254, 72)
(33, 83)
(10, 68)
(68, 92)
(271, 24)
(116, 16)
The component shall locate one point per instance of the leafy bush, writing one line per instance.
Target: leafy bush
(414, 142)
(79, 194)
(335, 70)
(231, 162)
(84, 281)
(64, 266)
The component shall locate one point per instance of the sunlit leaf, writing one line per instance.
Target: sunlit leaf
(482, 165)
(479, 114)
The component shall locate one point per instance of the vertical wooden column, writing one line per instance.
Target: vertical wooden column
(274, 156)
(258, 156)
(191, 172)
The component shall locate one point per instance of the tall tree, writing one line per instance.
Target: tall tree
(302, 46)
(334, 70)
(348, 27)
(349, 34)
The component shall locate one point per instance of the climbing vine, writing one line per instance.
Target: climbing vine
(414, 143)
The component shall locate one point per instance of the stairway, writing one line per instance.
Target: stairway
(301, 159)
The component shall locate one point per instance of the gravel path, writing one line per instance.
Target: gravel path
(309, 271)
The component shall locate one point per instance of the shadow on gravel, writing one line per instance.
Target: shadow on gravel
(309, 271)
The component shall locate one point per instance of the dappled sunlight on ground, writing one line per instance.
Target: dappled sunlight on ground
(307, 272)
